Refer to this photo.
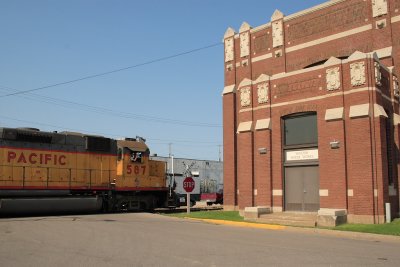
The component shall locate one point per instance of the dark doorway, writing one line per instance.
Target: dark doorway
(301, 171)
(302, 188)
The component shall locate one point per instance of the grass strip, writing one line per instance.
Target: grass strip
(392, 228)
(214, 215)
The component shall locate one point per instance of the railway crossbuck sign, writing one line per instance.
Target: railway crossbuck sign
(188, 184)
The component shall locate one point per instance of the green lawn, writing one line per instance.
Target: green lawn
(392, 228)
(215, 215)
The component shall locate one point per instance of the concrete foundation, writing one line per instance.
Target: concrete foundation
(255, 212)
(331, 217)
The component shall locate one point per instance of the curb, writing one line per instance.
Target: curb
(241, 224)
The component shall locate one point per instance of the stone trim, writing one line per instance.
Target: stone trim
(358, 111)
(329, 38)
(245, 127)
(395, 19)
(313, 9)
(262, 78)
(259, 58)
(350, 192)
(379, 111)
(384, 52)
(332, 61)
(299, 14)
(245, 27)
(255, 212)
(245, 82)
(331, 217)
(334, 114)
(332, 212)
(261, 27)
(357, 55)
(386, 97)
(296, 72)
(277, 15)
(396, 119)
(323, 192)
(365, 219)
(229, 33)
(277, 209)
(229, 89)
(277, 192)
(319, 98)
(264, 124)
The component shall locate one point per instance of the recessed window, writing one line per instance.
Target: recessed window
(301, 129)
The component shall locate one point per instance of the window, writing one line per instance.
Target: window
(136, 156)
(300, 129)
(119, 153)
(389, 146)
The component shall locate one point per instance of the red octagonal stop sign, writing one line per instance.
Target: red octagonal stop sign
(188, 184)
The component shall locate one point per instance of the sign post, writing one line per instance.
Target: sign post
(188, 185)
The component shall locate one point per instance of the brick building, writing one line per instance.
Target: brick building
(311, 112)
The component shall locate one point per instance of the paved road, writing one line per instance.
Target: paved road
(139, 239)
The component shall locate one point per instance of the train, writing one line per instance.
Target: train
(43, 171)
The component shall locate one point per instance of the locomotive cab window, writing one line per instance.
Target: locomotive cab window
(136, 156)
(119, 154)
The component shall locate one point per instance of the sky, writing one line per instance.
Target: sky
(123, 68)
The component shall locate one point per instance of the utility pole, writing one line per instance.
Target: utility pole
(219, 153)
(171, 168)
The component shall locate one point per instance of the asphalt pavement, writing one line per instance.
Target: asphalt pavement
(142, 239)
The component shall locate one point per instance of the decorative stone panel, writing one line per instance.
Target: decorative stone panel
(244, 44)
(357, 72)
(379, 8)
(396, 89)
(277, 33)
(245, 97)
(332, 79)
(262, 92)
(378, 74)
(229, 52)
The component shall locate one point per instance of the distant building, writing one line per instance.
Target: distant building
(208, 174)
(311, 112)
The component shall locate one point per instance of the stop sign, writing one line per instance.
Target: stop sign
(188, 184)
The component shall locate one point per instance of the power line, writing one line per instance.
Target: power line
(166, 141)
(112, 71)
(101, 110)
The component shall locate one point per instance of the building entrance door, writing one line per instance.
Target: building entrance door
(302, 188)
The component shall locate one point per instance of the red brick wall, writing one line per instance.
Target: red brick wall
(245, 169)
(360, 163)
(230, 179)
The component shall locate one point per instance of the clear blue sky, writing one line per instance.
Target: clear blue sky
(50, 42)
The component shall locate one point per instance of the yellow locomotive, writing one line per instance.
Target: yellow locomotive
(42, 171)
